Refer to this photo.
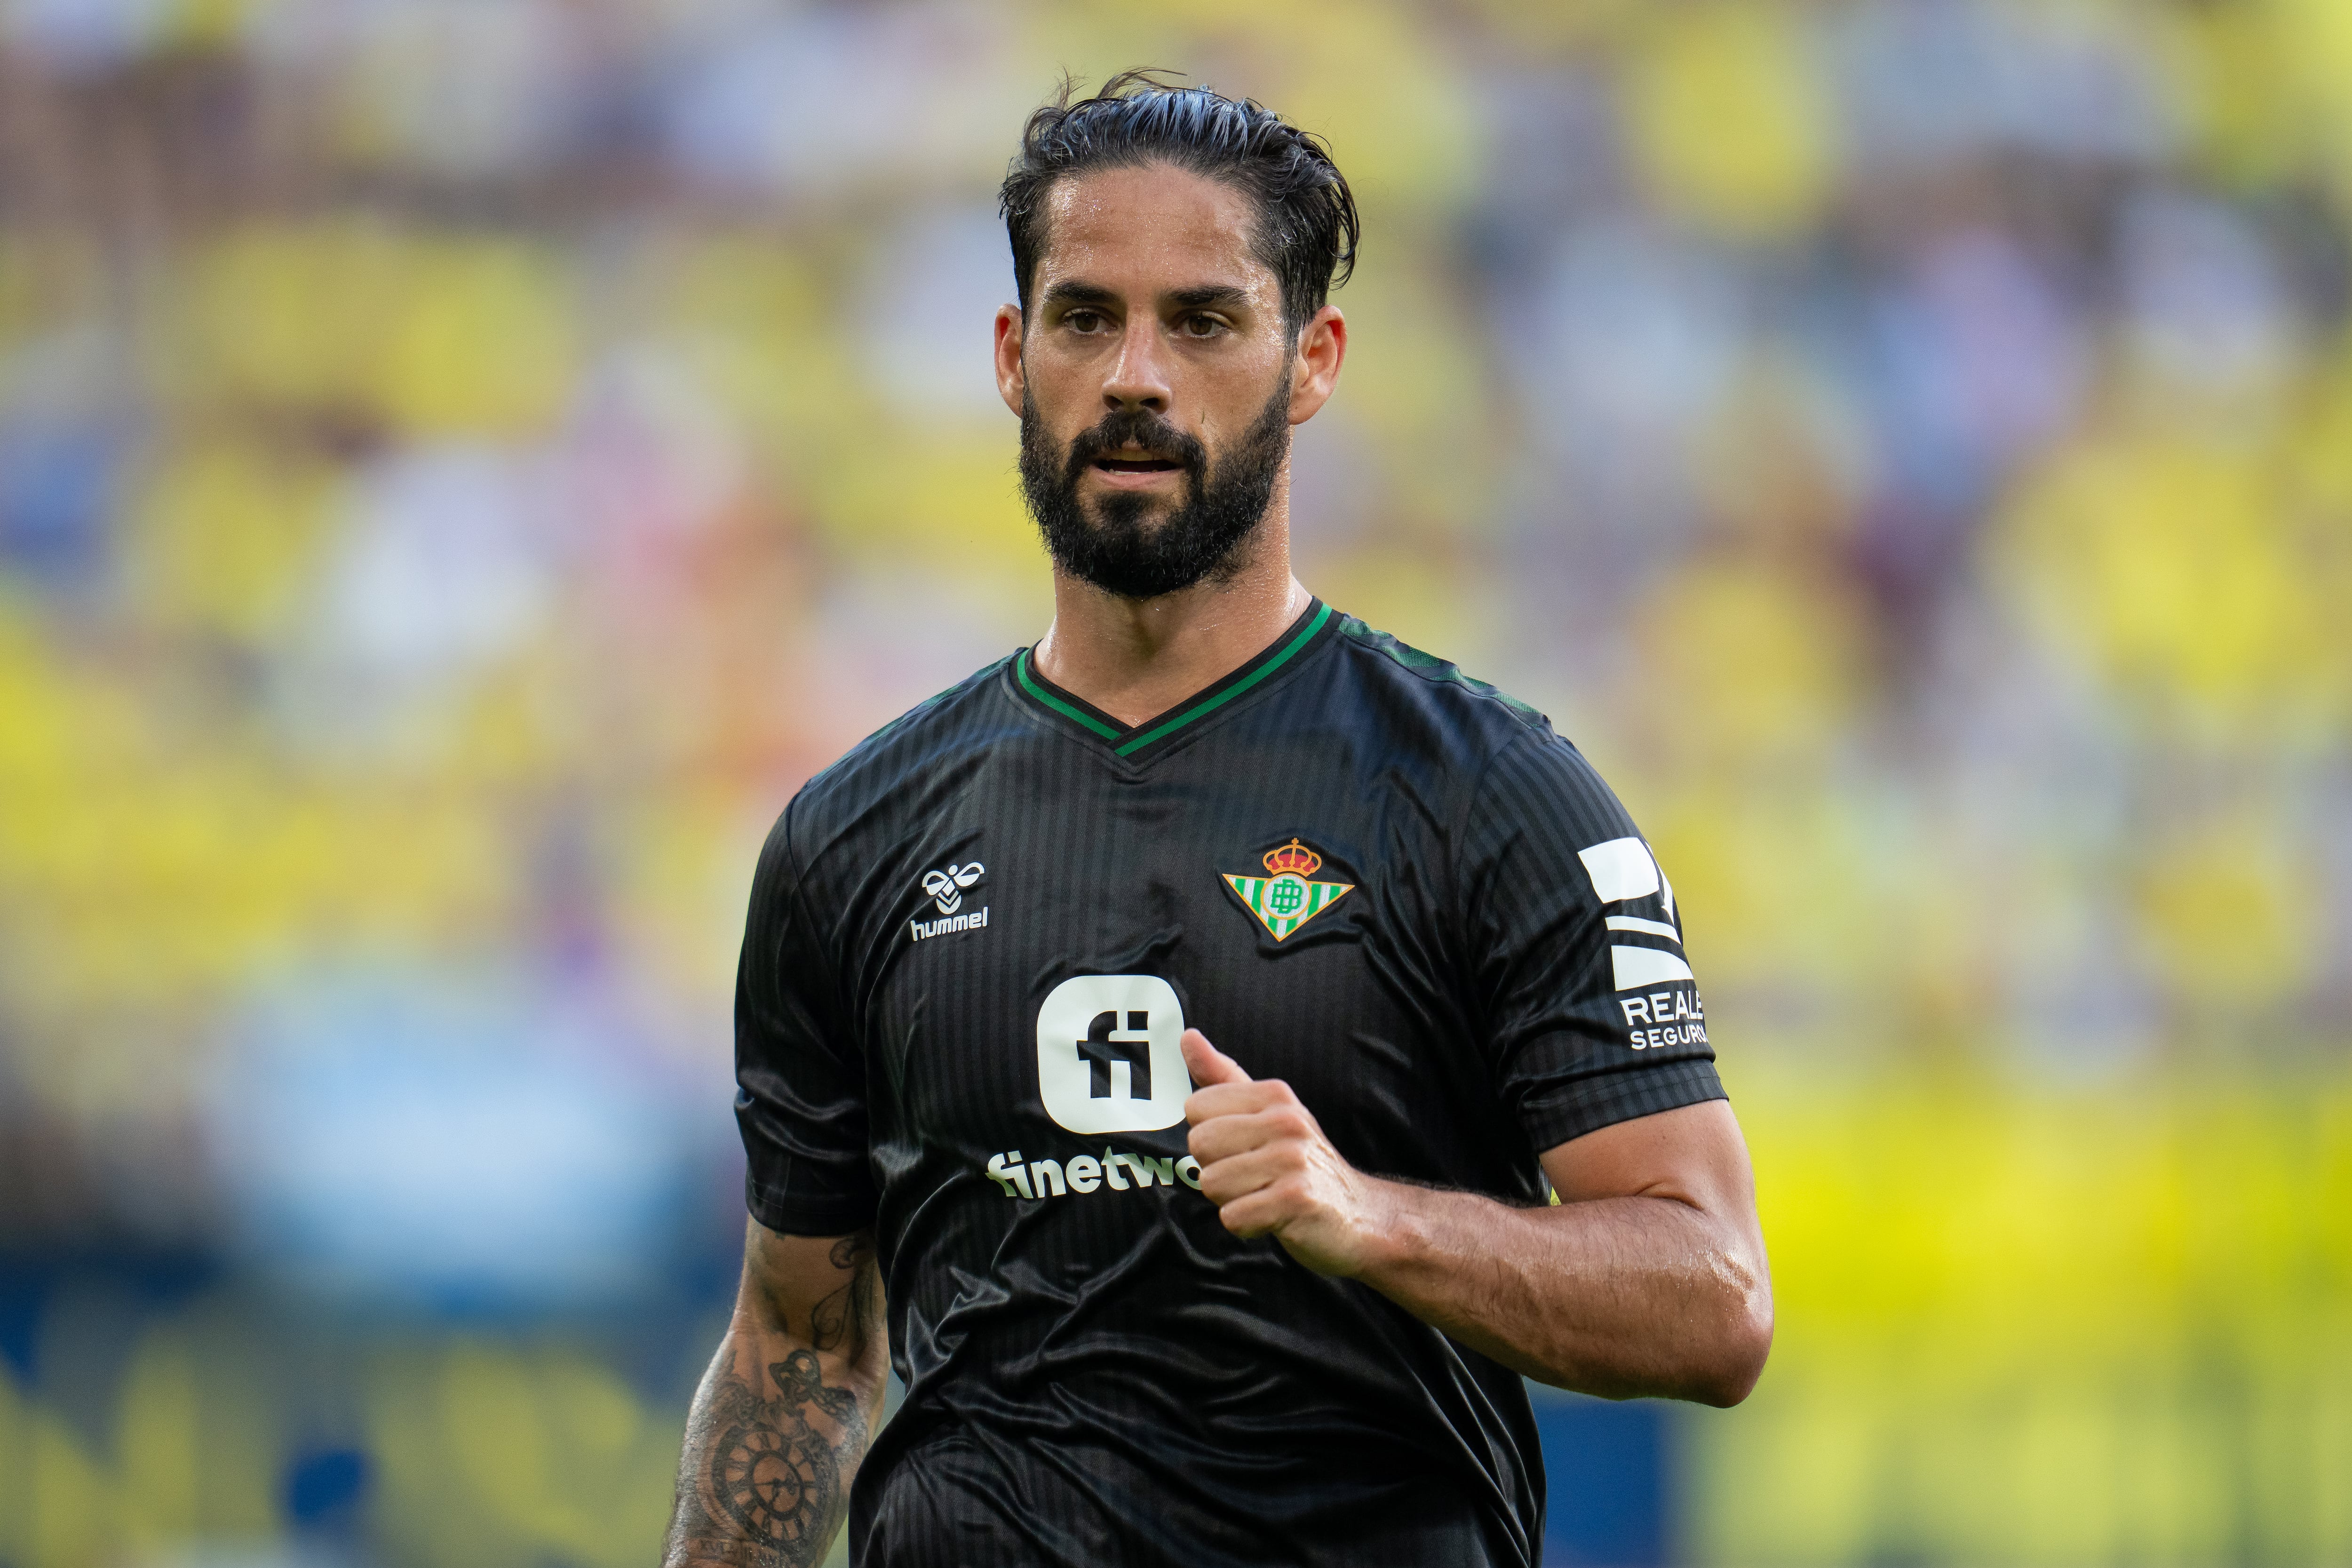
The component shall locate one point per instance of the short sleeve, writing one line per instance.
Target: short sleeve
(1591, 1012)
(800, 1097)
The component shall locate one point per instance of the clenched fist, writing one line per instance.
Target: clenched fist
(1267, 1165)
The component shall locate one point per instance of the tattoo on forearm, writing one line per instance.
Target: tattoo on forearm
(852, 1308)
(764, 1482)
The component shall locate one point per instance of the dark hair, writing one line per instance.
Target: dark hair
(1306, 224)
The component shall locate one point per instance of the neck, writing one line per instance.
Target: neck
(1136, 658)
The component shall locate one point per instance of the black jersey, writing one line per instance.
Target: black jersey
(973, 943)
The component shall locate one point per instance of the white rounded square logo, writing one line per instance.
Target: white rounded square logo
(1108, 1057)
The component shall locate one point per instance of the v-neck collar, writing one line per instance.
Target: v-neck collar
(1132, 741)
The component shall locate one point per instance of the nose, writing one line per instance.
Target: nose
(1138, 376)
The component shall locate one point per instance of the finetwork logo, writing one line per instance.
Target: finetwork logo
(946, 889)
(1109, 1060)
(1084, 1173)
(1109, 1054)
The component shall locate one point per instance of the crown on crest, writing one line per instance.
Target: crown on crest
(1293, 857)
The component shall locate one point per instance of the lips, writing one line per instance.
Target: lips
(1135, 448)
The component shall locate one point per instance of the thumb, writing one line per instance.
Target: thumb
(1209, 1065)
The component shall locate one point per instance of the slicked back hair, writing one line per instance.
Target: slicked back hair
(1307, 227)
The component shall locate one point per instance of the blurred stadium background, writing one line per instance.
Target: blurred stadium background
(464, 462)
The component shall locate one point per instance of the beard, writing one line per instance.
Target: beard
(1206, 536)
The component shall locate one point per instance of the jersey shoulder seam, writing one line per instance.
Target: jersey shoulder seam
(1461, 826)
(1435, 671)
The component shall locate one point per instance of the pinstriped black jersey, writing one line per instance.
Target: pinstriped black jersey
(973, 945)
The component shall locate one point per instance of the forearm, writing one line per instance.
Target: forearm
(779, 1426)
(1648, 1278)
(1620, 1297)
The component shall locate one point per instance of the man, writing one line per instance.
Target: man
(1183, 1018)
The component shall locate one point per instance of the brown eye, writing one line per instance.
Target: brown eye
(1084, 320)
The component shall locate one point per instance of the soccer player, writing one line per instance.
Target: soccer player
(1183, 1024)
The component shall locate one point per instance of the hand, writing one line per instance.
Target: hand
(1267, 1165)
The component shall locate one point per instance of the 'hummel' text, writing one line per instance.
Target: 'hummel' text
(920, 929)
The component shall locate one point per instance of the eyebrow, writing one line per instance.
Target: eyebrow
(1076, 291)
(1210, 294)
(1071, 292)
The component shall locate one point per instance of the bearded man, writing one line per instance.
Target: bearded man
(1238, 1048)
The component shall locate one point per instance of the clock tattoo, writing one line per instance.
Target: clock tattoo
(775, 1476)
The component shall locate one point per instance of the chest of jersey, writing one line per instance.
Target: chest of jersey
(1067, 925)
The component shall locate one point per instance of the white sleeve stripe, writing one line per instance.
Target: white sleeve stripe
(1621, 869)
(1642, 966)
(1655, 928)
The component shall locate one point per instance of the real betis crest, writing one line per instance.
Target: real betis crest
(1286, 898)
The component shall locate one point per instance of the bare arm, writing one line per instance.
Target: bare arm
(1648, 1278)
(785, 1412)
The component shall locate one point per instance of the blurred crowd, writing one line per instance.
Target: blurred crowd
(464, 462)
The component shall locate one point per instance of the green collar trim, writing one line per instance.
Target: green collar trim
(1129, 742)
(1076, 715)
(1129, 748)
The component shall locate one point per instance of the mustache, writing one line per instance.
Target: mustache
(1144, 428)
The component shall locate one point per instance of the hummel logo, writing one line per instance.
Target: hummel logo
(946, 888)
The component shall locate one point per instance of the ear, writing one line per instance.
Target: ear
(1012, 375)
(1315, 370)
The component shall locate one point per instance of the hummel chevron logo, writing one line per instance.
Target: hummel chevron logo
(1284, 899)
(946, 890)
